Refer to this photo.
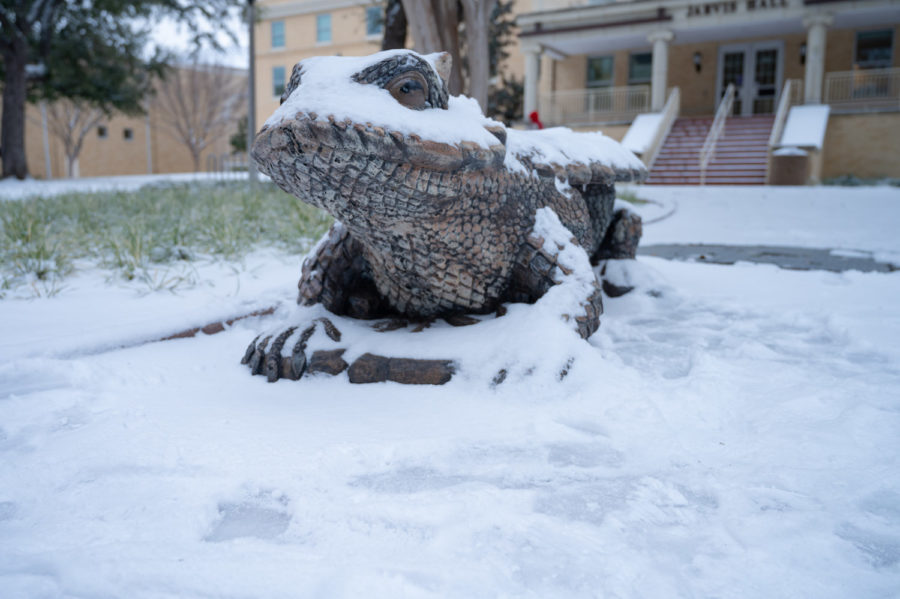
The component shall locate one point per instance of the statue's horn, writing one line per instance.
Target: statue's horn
(443, 62)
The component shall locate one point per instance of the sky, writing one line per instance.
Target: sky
(176, 37)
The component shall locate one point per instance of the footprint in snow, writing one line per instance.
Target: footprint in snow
(261, 516)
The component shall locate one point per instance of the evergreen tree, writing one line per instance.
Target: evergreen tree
(93, 51)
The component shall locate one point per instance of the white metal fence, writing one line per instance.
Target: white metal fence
(600, 105)
(227, 166)
(863, 89)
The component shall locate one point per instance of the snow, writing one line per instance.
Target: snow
(812, 217)
(327, 89)
(642, 131)
(13, 189)
(561, 145)
(730, 431)
(805, 126)
(790, 151)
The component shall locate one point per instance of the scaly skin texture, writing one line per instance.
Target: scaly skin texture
(428, 229)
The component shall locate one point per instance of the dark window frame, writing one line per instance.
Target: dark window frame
(278, 87)
(280, 37)
(374, 21)
(320, 38)
(890, 53)
(601, 82)
(638, 80)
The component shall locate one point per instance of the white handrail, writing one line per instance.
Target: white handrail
(784, 105)
(669, 114)
(709, 145)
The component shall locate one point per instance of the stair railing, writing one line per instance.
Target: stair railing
(784, 107)
(715, 131)
(669, 115)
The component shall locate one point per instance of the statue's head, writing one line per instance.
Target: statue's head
(351, 132)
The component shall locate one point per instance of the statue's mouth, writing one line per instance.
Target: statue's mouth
(326, 143)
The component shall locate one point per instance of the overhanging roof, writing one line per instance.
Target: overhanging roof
(626, 25)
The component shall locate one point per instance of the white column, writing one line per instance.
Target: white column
(816, 26)
(47, 166)
(532, 72)
(659, 68)
(148, 134)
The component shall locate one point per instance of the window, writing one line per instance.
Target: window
(374, 21)
(874, 49)
(323, 28)
(600, 71)
(277, 81)
(640, 67)
(278, 34)
(128, 134)
(102, 132)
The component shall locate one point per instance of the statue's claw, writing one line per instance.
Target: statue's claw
(283, 355)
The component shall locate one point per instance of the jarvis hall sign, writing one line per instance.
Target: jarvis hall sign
(731, 6)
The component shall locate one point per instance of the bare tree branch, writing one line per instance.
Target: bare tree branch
(70, 122)
(199, 103)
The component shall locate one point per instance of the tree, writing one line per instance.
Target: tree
(70, 121)
(505, 98)
(477, 48)
(395, 25)
(238, 140)
(434, 25)
(199, 102)
(477, 18)
(84, 50)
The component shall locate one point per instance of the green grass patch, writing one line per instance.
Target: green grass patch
(631, 197)
(136, 234)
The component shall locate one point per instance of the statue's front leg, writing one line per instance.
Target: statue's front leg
(551, 257)
(337, 275)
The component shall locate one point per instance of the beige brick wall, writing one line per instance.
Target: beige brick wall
(865, 145)
(348, 38)
(114, 154)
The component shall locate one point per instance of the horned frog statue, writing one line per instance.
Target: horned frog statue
(440, 212)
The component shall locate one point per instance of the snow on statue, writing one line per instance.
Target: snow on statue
(441, 212)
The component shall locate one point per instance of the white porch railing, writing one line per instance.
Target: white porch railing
(599, 105)
(718, 124)
(791, 95)
(863, 90)
(669, 114)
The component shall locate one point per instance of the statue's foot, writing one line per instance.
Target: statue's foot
(311, 349)
(284, 354)
(622, 237)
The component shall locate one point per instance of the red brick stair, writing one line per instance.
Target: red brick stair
(740, 157)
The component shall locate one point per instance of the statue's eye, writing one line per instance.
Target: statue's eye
(410, 89)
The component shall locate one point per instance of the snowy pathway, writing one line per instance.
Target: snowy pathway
(731, 431)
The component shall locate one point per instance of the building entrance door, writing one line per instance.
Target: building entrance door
(756, 71)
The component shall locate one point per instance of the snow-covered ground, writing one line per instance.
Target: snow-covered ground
(731, 431)
(13, 189)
